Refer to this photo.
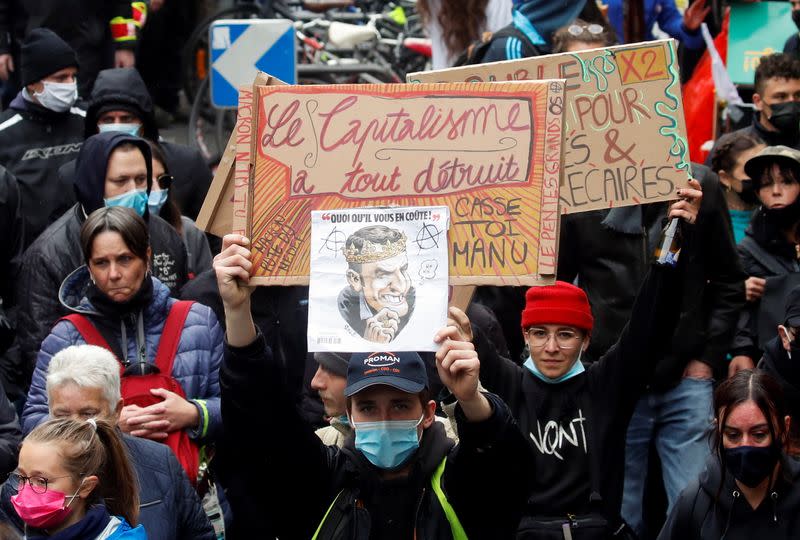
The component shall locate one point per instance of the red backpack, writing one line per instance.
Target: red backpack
(136, 388)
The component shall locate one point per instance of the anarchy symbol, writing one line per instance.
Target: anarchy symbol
(428, 237)
(334, 241)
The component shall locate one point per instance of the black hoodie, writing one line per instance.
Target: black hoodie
(57, 251)
(91, 165)
(123, 88)
(732, 518)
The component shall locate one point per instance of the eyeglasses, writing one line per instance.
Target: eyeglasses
(565, 339)
(38, 483)
(578, 29)
(165, 181)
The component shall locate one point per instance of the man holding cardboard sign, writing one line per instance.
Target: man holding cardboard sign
(399, 477)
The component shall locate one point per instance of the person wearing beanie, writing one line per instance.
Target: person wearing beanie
(114, 169)
(397, 475)
(103, 33)
(576, 417)
(42, 128)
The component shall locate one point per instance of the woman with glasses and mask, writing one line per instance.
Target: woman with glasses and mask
(576, 417)
(74, 482)
(161, 203)
(750, 488)
(116, 303)
(581, 35)
(769, 251)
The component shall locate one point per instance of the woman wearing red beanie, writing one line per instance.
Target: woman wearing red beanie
(576, 417)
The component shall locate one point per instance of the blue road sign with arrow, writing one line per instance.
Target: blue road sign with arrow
(241, 48)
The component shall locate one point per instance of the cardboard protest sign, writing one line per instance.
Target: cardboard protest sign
(625, 135)
(378, 276)
(490, 153)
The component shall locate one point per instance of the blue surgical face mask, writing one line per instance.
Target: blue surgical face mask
(387, 445)
(129, 129)
(576, 369)
(156, 200)
(135, 199)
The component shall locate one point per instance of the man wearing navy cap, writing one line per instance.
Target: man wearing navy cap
(397, 476)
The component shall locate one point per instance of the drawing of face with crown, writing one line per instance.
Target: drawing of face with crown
(378, 273)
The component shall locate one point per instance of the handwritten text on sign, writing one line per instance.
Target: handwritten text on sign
(491, 153)
(624, 127)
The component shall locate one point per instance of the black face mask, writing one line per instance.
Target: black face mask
(751, 464)
(784, 218)
(749, 194)
(785, 118)
(796, 17)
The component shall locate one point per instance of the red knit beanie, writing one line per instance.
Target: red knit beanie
(561, 303)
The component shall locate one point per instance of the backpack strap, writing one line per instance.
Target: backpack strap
(90, 334)
(325, 517)
(691, 511)
(171, 335)
(436, 483)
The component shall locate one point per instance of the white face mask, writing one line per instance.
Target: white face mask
(58, 97)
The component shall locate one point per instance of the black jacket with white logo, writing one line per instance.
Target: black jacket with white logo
(34, 143)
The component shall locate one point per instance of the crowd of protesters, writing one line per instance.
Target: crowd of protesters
(147, 391)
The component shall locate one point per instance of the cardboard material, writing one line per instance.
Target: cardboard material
(491, 153)
(625, 135)
(216, 215)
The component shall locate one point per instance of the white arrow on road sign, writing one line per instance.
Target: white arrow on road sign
(242, 48)
(251, 44)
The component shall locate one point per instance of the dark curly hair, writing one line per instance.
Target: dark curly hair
(461, 21)
(729, 147)
(778, 65)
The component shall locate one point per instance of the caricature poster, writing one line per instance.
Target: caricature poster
(379, 278)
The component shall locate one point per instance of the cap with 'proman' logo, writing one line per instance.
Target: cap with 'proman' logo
(404, 371)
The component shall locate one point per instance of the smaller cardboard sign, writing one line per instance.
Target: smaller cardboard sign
(625, 135)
